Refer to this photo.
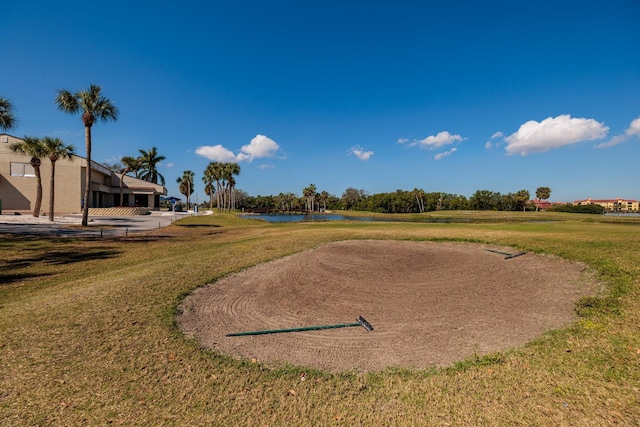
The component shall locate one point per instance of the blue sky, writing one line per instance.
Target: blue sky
(453, 96)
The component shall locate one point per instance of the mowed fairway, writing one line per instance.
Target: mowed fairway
(88, 335)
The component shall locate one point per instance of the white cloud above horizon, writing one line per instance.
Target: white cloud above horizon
(631, 131)
(216, 153)
(445, 154)
(490, 144)
(360, 152)
(433, 141)
(552, 133)
(259, 147)
(634, 128)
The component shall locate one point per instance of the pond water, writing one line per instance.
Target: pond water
(300, 217)
(334, 217)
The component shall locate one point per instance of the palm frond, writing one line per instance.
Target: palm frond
(67, 101)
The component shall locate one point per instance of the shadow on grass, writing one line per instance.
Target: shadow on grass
(133, 238)
(198, 225)
(7, 279)
(73, 256)
(62, 257)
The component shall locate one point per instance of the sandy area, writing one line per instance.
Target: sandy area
(430, 304)
(42, 219)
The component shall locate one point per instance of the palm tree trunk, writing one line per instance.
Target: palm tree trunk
(218, 188)
(52, 190)
(188, 195)
(121, 187)
(87, 188)
(38, 204)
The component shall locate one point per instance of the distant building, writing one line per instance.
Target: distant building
(18, 184)
(541, 204)
(612, 205)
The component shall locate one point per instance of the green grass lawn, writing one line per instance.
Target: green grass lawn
(88, 334)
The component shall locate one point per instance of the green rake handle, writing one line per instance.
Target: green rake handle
(361, 322)
(508, 255)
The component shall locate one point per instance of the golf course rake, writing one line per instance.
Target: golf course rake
(361, 321)
(508, 255)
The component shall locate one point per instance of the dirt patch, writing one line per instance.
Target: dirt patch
(430, 303)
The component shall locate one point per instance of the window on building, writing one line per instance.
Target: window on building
(22, 169)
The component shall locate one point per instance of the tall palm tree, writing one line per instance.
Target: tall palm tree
(310, 194)
(93, 106)
(542, 193)
(419, 195)
(7, 119)
(323, 197)
(148, 166)
(216, 172)
(33, 147)
(186, 184)
(129, 164)
(55, 149)
(209, 178)
(289, 199)
(229, 182)
(217, 169)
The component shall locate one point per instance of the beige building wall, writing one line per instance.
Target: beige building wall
(613, 205)
(18, 193)
(18, 190)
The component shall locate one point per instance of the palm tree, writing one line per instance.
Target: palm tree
(324, 197)
(542, 193)
(93, 106)
(55, 150)
(310, 194)
(7, 119)
(186, 184)
(521, 198)
(290, 199)
(229, 182)
(213, 173)
(232, 192)
(34, 148)
(148, 163)
(129, 164)
(419, 194)
(209, 177)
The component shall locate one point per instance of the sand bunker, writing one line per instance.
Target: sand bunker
(430, 303)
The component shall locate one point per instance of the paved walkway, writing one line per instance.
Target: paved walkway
(99, 226)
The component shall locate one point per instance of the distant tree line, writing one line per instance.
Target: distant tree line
(589, 209)
(399, 201)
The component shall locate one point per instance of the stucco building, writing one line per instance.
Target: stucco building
(18, 184)
(612, 205)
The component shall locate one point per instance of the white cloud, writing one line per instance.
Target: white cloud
(490, 144)
(216, 153)
(360, 153)
(632, 130)
(445, 154)
(552, 133)
(259, 147)
(266, 166)
(618, 139)
(433, 141)
(168, 165)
